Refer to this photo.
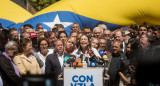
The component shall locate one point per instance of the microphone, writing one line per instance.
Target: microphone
(102, 52)
(66, 58)
(93, 64)
(105, 58)
(65, 61)
(93, 57)
(79, 62)
(71, 60)
(86, 59)
(81, 56)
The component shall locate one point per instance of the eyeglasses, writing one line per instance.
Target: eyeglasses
(44, 44)
(117, 37)
(75, 27)
(13, 49)
(41, 32)
(87, 32)
(143, 30)
(63, 36)
(16, 36)
(107, 34)
(102, 43)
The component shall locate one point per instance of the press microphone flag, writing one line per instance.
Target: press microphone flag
(66, 58)
(102, 52)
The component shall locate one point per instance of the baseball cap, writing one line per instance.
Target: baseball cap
(32, 34)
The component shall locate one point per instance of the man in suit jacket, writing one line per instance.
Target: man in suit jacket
(54, 62)
(9, 71)
(119, 35)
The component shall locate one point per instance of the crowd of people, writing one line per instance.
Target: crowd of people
(132, 52)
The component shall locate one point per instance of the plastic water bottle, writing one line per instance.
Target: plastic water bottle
(84, 64)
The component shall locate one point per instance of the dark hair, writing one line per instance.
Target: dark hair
(13, 29)
(80, 48)
(102, 38)
(37, 26)
(29, 25)
(55, 29)
(4, 36)
(134, 26)
(150, 27)
(23, 43)
(21, 36)
(80, 33)
(75, 23)
(54, 43)
(61, 33)
(10, 32)
(87, 27)
(134, 43)
(60, 26)
(157, 28)
(73, 32)
(121, 43)
(39, 42)
(1, 26)
(48, 34)
(143, 26)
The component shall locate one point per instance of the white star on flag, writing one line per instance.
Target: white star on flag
(57, 21)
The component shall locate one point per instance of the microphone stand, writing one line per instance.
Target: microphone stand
(105, 67)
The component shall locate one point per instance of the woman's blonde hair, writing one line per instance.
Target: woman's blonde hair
(92, 39)
(73, 42)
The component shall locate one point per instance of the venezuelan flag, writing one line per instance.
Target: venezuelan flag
(11, 13)
(113, 13)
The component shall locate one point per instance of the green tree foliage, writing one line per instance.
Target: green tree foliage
(41, 4)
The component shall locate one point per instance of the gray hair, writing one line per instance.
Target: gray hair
(10, 44)
(98, 28)
(103, 26)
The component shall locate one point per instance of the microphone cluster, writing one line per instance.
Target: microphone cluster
(92, 61)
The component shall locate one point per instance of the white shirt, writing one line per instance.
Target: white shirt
(61, 59)
(50, 51)
(123, 47)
